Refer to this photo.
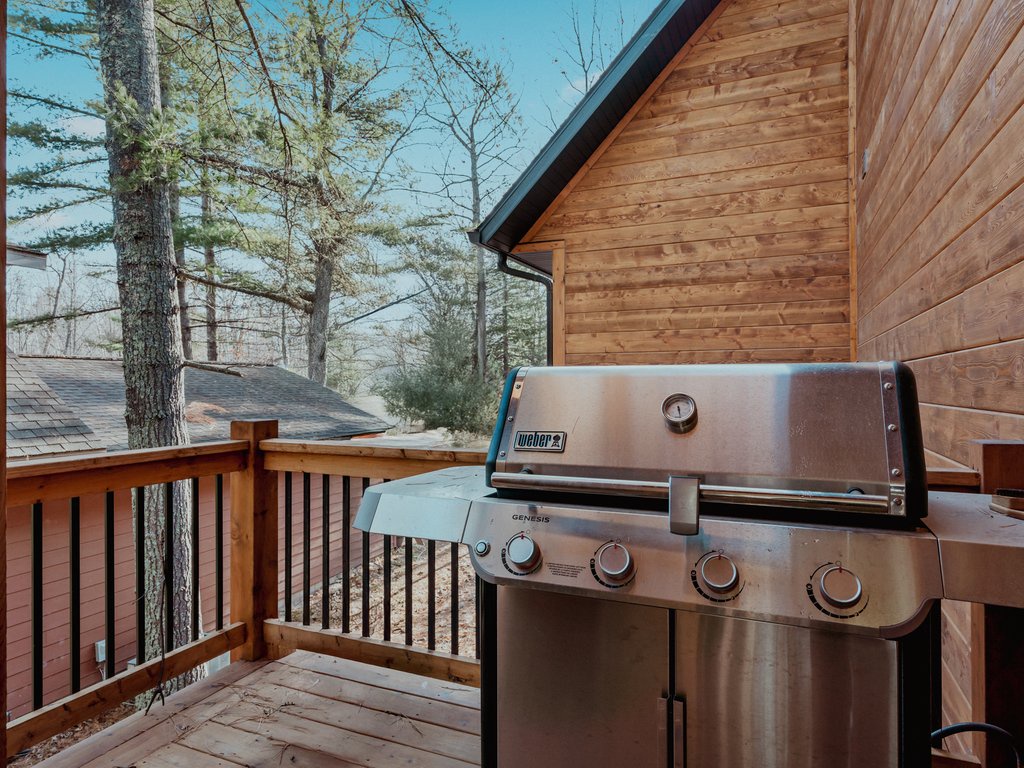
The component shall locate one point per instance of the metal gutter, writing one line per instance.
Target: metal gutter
(537, 277)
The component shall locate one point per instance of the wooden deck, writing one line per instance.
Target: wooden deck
(304, 710)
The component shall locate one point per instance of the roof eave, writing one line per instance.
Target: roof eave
(490, 233)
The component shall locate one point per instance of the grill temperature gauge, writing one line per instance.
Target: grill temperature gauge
(680, 412)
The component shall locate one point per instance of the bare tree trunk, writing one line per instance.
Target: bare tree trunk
(150, 322)
(71, 327)
(164, 75)
(284, 337)
(55, 310)
(506, 363)
(481, 316)
(210, 261)
(481, 275)
(316, 360)
(179, 260)
(323, 281)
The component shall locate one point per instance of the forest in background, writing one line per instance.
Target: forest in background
(221, 181)
(325, 160)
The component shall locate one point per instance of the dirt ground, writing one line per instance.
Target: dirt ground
(420, 599)
(71, 736)
(443, 602)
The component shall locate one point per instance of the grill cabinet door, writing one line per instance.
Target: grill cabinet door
(778, 696)
(581, 682)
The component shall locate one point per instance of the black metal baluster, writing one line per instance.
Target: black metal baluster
(346, 553)
(477, 597)
(75, 558)
(37, 605)
(218, 557)
(366, 571)
(287, 546)
(408, 590)
(325, 549)
(431, 595)
(140, 575)
(195, 559)
(306, 546)
(168, 566)
(387, 587)
(110, 579)
(455, 599)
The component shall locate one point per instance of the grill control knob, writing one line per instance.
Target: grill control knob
(840, 587)
(719, 574)
(522, 552)
(615, 563)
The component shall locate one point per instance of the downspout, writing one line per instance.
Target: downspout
(536, 277)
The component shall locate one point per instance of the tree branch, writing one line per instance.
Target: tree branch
(213, 368)
(50, 317)
(24, 96)
(260, 293)
(270, 82)
(43, 44)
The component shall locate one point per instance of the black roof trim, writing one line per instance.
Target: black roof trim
(658, 40)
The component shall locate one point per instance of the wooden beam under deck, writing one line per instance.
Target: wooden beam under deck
(284, 637)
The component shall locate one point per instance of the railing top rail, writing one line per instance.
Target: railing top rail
(359, 460)
(351, 448)
(60, 478)
(34, 467)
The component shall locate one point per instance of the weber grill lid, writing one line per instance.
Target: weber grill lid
(824, 438)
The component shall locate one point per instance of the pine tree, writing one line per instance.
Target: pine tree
(141, 173)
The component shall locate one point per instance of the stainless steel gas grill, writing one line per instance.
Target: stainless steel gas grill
(697, 566)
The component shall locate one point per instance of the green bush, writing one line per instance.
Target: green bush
(442, 389)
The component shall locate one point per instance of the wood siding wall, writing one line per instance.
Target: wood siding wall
(940, 237)
(940, 212)
(713, 227)
(56, 599)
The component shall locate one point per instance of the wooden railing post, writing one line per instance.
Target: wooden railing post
(253, 540)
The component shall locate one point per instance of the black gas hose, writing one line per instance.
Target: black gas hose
(994, 730)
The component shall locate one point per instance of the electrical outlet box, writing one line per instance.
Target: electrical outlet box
(101, 651)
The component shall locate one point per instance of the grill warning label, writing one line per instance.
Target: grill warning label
(565, 569)
(540, 441)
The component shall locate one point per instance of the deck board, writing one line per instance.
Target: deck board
(305, 709)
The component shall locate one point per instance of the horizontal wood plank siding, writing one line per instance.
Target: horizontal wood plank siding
(940, 237)
(714, 227)
(940, 210)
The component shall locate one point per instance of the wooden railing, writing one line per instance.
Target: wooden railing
(348, 466)
(258, 471)
(357, 603)
(116, 477)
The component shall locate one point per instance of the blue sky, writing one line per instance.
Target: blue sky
(527, 35)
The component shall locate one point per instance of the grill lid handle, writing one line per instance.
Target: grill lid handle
(684, 505)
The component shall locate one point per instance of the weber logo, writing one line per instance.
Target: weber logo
(540, 441)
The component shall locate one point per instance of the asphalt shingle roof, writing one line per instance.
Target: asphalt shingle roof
(39, 423)
(89, 395)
